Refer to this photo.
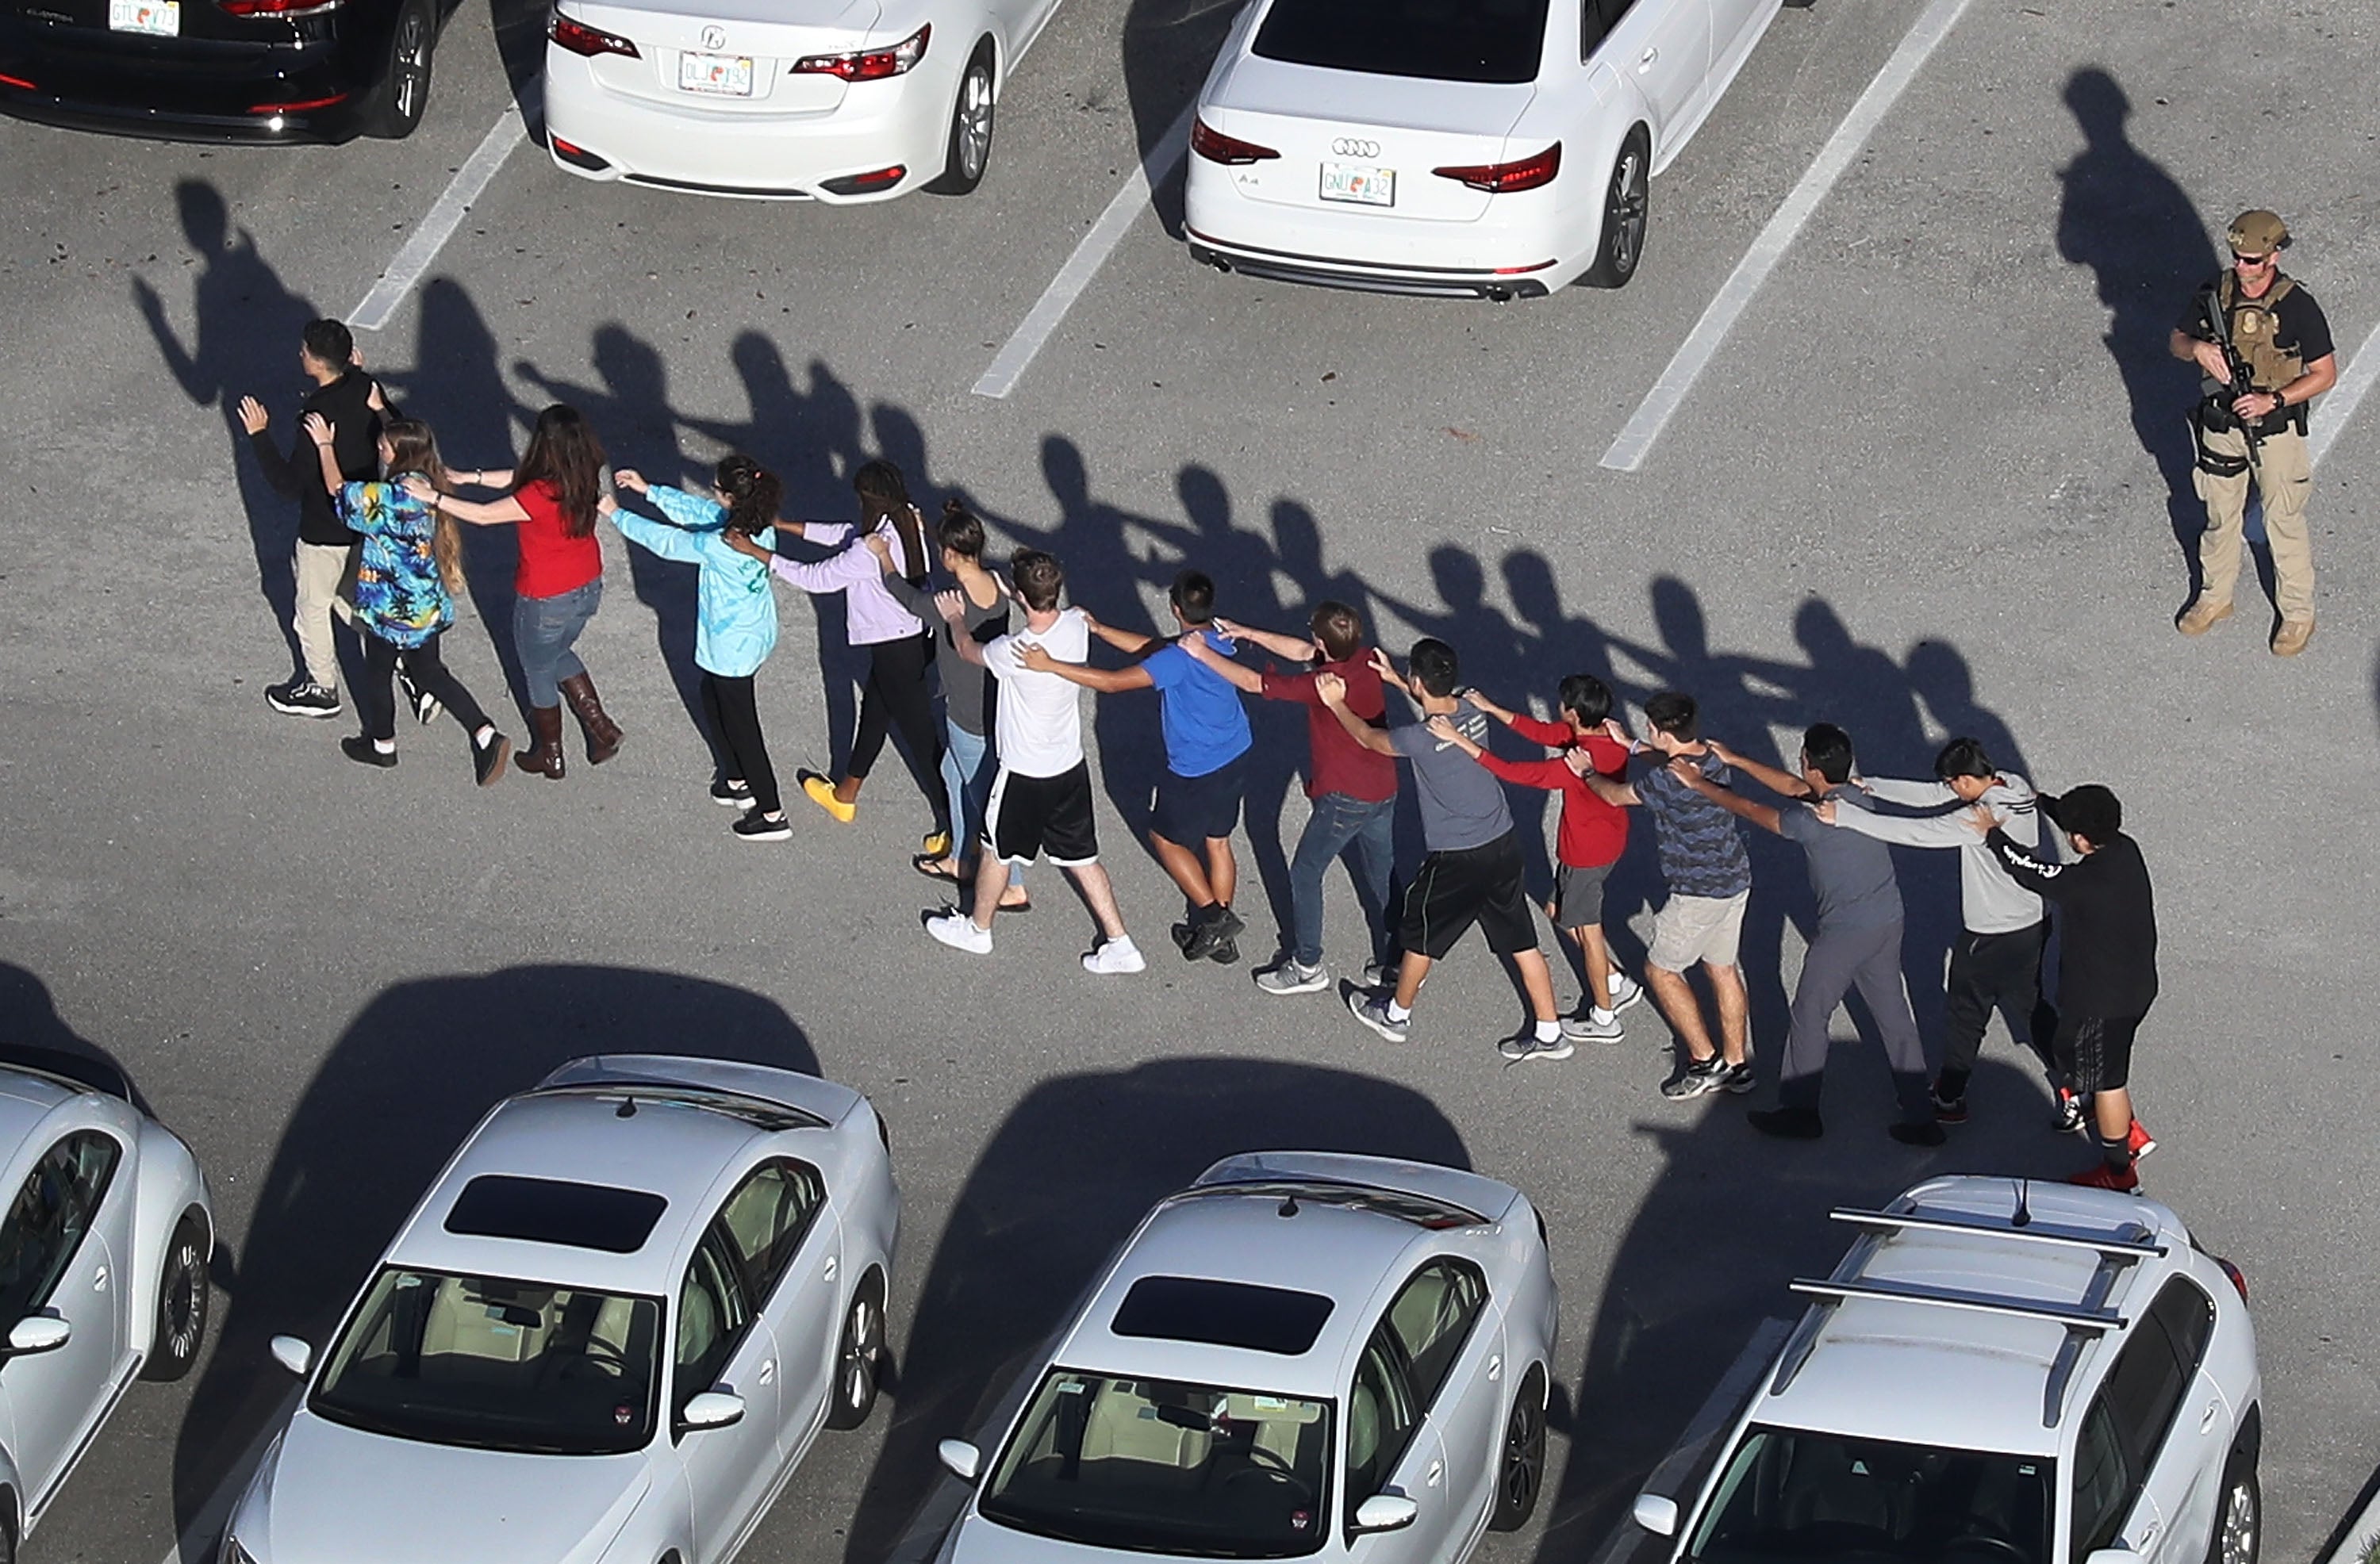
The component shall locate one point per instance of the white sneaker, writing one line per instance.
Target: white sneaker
(1291, 978)
(960, 932)
(1118, 955)
(1595, 1027)
(1625, 991)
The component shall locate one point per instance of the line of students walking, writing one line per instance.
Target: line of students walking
(1006, 778)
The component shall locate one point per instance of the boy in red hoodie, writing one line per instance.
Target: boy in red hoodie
(1590, 839)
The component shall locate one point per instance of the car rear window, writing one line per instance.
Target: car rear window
(1223, 1313)
(1494, 40)
(616, 1221)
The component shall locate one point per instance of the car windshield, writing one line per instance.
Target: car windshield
(1791, 1495)
(496, 1365)
(1159, 1466)
(1440, 40)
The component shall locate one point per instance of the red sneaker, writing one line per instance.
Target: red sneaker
(2100, 1176)
(2140, 1142)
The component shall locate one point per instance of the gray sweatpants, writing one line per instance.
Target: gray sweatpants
(1838, 961)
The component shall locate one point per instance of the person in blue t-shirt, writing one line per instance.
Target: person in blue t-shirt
(1206, 760)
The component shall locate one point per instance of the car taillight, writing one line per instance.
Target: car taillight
(1216, 147)
(278, 8)
(580, 39)
(17, 81)
(1503, 178)
(2239, 1277)
(868, 65)
(302, 106)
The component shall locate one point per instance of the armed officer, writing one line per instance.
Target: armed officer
(2254, 426)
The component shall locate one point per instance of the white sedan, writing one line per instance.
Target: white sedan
(608, 1333)
(1303, 1354)
(103, 1251)
(1483, 149)
(786, 99)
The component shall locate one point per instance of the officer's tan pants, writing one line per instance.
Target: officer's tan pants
(325, 586)
(2283, 479)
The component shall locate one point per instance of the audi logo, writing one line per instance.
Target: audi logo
(714, 38)
(1350, 146)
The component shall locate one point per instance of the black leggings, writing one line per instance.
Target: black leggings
(896, 695)
(735, 741)
(377, 702)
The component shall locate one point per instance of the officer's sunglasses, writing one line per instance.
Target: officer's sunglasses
(2250, 259)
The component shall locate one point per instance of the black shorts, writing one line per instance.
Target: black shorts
(1042, 814)
(1452, 890)
(2095, 1051)
(1578, 895)
(1194, 809)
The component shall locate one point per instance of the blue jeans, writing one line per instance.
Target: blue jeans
(543, 629)
(968, 770)
(1336, 821)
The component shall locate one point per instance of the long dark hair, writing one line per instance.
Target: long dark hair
(413, 449)
(883, 493)
(565, 456)
(753, 494)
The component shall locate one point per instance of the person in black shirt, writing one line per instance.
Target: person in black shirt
(325, 563)
(2108, 977)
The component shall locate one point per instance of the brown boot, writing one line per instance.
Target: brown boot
(543, 758)
(602, 734)
(2292, 638)
(2204, 615)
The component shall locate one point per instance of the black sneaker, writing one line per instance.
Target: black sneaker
(424, 705)
(734, 795)
(1224, 952)
(1738, 1079)
(302, 697)
(1787, 1124)
(1948, 1109)
(361, 750)
(755, 826)
(488, 759)
(1704, 1076)
(2070, 1113)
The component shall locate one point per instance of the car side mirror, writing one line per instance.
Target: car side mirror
(714, 1408)
(38, 1333)
(293, 1355)
(1657, 1513)
(1385, 1513)
(960, 1459)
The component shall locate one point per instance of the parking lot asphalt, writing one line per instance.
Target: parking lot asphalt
(1924, 488)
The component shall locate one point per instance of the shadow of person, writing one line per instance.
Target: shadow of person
(245, 344)
(2122, 215)
(397, 1094)
(1168, 46)
(1061, 1182)
(1675, 1312)
(33, 1034)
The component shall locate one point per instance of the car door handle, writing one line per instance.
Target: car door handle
(2206, 1419)
(1437, 1471)
(2148, 1534)
(828, 1272)
(1494, 1368)
(99, 1280)
(1644, 61)
(769, 1371)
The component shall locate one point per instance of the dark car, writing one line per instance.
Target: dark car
(221, 70)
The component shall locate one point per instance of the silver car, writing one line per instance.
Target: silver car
(1302, 1355)
(608, 1333)
(104, 1252)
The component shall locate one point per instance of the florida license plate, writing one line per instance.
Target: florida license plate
(160, 19)
(1359, 183)
(722, 75)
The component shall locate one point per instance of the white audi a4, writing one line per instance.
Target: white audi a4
(784, 100)
(1483, 149)
(607, 1335)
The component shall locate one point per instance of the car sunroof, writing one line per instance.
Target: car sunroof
(616, 1221)
(1223, 1313)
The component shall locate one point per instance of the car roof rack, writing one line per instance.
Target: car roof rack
(2125, 1244)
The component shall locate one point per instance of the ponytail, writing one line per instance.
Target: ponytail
(754, 494)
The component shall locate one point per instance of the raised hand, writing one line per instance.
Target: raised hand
(879, 545)
(1330, 689)
(1383, 667)
(320, 430)
(951, 606)
(630, 480)
(419, 486)
(253, 415)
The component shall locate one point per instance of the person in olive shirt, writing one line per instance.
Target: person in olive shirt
(346, 398)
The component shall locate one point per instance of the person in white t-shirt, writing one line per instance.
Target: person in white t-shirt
(1041, 794)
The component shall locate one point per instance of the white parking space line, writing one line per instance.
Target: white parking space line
(1042, 320)
(2362, 368)
(1635, 441)
(197, 1544)
(430, 235)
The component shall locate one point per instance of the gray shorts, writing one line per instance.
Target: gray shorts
(1578, 895)
(1697, 928)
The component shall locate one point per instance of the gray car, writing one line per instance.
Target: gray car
(104, 1252)
(608, 1333)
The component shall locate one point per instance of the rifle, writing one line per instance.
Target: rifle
(2242, 382)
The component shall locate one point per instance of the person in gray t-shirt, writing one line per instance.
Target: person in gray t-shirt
(1857, 944)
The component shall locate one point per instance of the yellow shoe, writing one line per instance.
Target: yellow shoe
(2204, 615)
(2292, 638)
(821, 792)
(936, 845)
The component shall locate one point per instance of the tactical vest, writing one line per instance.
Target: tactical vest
(2253, 322)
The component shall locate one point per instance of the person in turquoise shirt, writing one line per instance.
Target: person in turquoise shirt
(735, 624)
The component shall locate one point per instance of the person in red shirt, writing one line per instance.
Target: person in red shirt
(1591, 834)
(1353, 791)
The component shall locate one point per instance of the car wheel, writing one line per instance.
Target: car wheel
(1626, 202)
(972, 111)
(405, 89)
(2239, 1526)
(181, 1327)
(859, 1357)
(1521, 1468)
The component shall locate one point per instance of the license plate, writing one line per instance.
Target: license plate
(724, 76)
(1359, 183)
(161, 18)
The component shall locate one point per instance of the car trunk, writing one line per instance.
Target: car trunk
(729, 57)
